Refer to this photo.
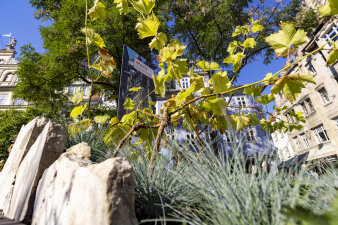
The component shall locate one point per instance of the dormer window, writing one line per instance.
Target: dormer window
(331, 33)
(185, 83)
(241, 101)
(8, 77)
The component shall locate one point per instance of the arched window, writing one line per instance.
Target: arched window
(8, 77)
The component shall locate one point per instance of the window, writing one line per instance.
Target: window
(190, 136)
(305, 110)
(310, 68)
(84, 90)
(170, 132)
(18, 102)
(325, 97)
(336, 121)
(309, 104)
(2, 61)
(305, 140)
(295, 139)
(332, 32)
(250, 134)
(241, 101)
(71, 90)
(290, 118)
(8, 77)
(282, 133)
(2, 99)
(320, 134)
(185, 83)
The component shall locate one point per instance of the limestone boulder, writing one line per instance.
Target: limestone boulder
(73, 191)
(46, 149)
(24, 141)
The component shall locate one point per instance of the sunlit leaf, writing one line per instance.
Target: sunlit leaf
(254, 91)
(158, 42)
(114, 121)
(286, 40)
(249, 43)
(232, 48)
(329, 9)
(77, 111)
(136, 89)
(206, 66)
(236, 60)
(159, 82)
(216, 105)
(77, 97)
(242, 120)
(220, 82)
(265, 99)
(93, 37)
(107, 62)
(333, 56)
(101, 119)
(144, 6)
(122, 5)
(269, 79)
(79, 126)
(129, 104)
(148, 27)
(97, 11)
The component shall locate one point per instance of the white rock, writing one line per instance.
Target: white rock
(25, 139)
(46, 149)
(73, 191)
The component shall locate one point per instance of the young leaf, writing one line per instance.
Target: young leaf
(159, 82)
(333, 56)
(291, 85)
(269, 79)
(135, 89)
(158, 42)
(114, 121)
(122, 5)
(236, 60)
(129, 104)
(265, 99)
(97, 11)
(329, 9)
(183, 95)
(254, 91)
(220, 81)
(249, 43)
(232, 48)
(256, 26)
(93, 37)
(171, 52)
(148, 27)
(101, 119)
(77, 111)
(144, 6)
(77, 97)
(286, 40)
(79, 126)
(216, 105)
(206, 66)
(241, 121)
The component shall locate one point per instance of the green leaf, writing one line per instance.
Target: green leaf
(241, 121)
(130, 118)
(122, 5)
(241, 30)
(265, 99)
(79, 126)
(148, 27)
(97, 11)
(269, 79)
(232, 48)
(151, 103)
(158, 42)
(254, 91)
(220, 82)
(291, 85)
(159, 82)
(333, 56)
(176, 69)
(183, 95)
(286, 40)
(129, 104)
(216, 105)
(93, 37)
(115, 134)
(77, 97)
(144, 6)
(329, 9)
(249, 43)
(256, 26)
(171, 52)
(97, 67)
(197, 81)
(236, 60)
(206, 66)
(114, 121)
(77, 111)
(135, 89)
(101, 119)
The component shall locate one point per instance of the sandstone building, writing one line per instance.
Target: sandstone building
(318, 102)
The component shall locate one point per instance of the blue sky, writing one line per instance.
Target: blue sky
(17, 18)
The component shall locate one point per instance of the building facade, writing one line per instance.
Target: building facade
(251, 140)
(8, 66)
(318, 102)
